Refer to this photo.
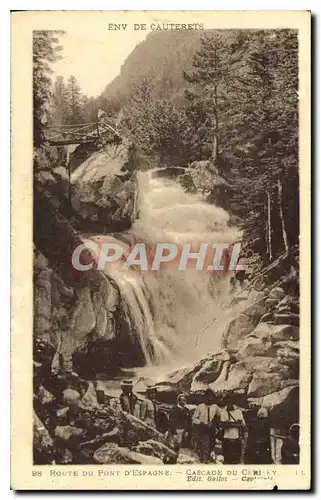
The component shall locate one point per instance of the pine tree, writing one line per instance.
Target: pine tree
(59, 102)
(138, 113)
(158, 126)
(46, 50)
(168, 135)
(214, 68)
(75, 106)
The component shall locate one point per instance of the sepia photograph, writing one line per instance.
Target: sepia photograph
(166, 245)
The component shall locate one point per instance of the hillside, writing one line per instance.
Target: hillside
(162, 57)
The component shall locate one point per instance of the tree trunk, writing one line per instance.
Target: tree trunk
(284, 233)
(214, 153)
(69, 175)
(269, 231)
(215, 118)
(215, 134)
(98, 131)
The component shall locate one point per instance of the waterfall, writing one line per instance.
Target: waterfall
(137, 311)
(170, 308)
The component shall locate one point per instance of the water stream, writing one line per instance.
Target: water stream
(170, 308)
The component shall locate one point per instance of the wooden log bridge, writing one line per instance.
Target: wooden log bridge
(82, 133)
(68, 142)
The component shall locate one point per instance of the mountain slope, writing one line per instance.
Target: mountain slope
(162, 58)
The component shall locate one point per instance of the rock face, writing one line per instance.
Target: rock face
(84, 307)
(84, 323)
(64, 316)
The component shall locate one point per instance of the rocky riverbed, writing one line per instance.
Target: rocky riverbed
(258, 365)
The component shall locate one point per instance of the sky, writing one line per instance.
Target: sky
(93, 53)
(95, 58)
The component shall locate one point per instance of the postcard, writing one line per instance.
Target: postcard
(160, 250)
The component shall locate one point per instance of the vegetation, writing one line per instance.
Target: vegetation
(46, 50)
(226, 96)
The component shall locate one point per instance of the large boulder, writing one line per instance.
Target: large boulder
(277, 366)
(111, 453)
(283, 406)
(288, 355)
(255, 311)
(277, 293)
(263, 383)
(253, 346)
(287, 318)
(42, 441)
(205, 178)
(237, 377)
(275, 333)
(289, 304)
(187, 456)
(70, 397)
(237, 329)
(65, 432)
(256, 363)
(154, 448)
(80, 154)
(194, 377)
(180, 380)
(262, 331)
(209, 371)
(112, 436)
(285, 332)
(290, 346)
(102, 192)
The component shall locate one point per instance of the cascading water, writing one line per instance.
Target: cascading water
(137, 311)
(171, 308)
